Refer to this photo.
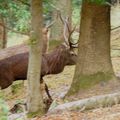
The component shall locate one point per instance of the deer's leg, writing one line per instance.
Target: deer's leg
(6, 79)
(47, 91)
(45, 87)
(42, 86)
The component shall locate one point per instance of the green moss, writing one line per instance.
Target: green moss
(17, 87)
(2, 94)
(32, 41)
(82, 82)
(34, 114)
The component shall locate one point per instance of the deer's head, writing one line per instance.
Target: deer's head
(69, 45)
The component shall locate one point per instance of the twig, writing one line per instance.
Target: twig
(115, 48)
(23, 2)
(115, 28)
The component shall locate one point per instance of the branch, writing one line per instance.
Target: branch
(89, 103)
(15, 31)
(115, 28)
(25, 3)
(115, 48)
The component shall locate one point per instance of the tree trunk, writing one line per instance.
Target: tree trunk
(35, 100)
(65, 7)
(118, 2)
(94, 62)
(2, 33)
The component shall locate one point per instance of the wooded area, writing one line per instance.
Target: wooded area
(59, 56)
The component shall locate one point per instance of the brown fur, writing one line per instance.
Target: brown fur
(15, 67)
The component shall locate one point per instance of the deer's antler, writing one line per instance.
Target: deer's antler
(69, 31)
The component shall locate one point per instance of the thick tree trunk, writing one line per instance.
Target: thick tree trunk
(94, 62)
(35, 100)
(65, 7)
(2, 33)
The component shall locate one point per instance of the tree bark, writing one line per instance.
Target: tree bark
(94, 62)
(65, 6)
(3, 37)
(118, 2)
(35, 101)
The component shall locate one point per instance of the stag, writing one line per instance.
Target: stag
(15, 67)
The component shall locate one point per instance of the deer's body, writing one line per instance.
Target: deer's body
(15, 67)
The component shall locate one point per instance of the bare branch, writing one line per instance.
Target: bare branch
(48, 26)
(67, 22)
(64, 34)
(15, 31)
(23, 2)
(61, 18)
(115, 28)
(54, 7)
(115, 48)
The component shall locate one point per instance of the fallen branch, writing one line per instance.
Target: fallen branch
(89, 103)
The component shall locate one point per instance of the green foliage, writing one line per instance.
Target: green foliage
(23, 17)
(16, 14)
(76, 11)
(3, 110)
(47, 10)
(76, 15)
(76, 2)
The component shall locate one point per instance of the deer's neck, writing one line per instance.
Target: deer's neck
(56, 62)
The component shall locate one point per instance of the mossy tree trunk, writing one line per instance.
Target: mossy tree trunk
(65, 6)
(35, 101)
(94, 62)
(3, 35)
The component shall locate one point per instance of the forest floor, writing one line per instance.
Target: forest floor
(60, 83)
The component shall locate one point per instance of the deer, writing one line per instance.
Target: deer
(15, 67)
